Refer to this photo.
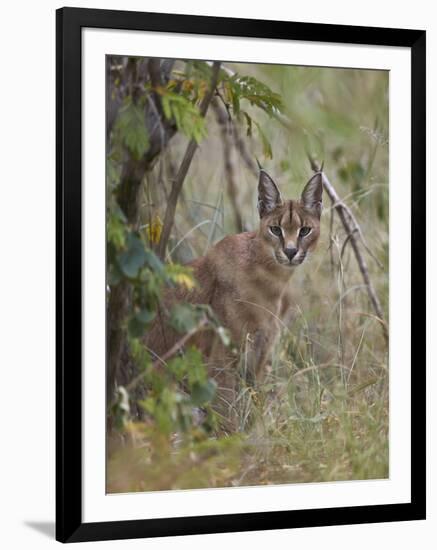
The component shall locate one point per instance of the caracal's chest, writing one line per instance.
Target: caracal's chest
(252, 299)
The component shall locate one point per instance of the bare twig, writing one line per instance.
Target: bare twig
(225, 105)
(183, 169)
(347, 239)
(241, 146)
(357, 228)
(353, 221)
(154, 66)
(331, 232)
(352, 229)
(341, 291)
(226, 128)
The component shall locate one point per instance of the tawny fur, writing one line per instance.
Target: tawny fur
(245, 278)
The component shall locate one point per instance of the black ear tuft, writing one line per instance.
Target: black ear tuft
(312, 195)
(269, 196)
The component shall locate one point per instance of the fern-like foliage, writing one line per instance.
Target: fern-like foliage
(185, 114)
(239, 87)
(132, 129)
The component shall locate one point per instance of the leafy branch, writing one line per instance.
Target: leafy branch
(185, 165)
(238, 88)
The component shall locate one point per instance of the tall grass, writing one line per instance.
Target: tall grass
(322, 412)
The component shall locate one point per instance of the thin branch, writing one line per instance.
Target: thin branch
(225, 105)
(360, 233)
(347, 239)
(154, 67)
(353, 222)
(351, 227)
(331, 232)
(185, 165)
(158, 123)
(241, 147)
(166, 68)
(341, 291)
(232, 187)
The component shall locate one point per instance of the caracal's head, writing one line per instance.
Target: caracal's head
(290, 229)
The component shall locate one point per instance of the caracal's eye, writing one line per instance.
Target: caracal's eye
(304, 231)
(276, 230)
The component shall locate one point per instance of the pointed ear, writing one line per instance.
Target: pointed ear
(269, 196)
(312, 195)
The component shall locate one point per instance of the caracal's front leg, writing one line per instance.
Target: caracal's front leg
(258, 349)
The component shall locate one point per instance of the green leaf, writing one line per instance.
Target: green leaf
(138, 323)
(132, 128)
(148, 404)
(135, 327)
(131, 260)
(185, 115)
(145, 316)
(112, 172)
(236, 103)
(115, 231)
(254, 91)
(249, 123)
(152, 261)
(203, 393)
(166, 106)
(184, 317)
(189, 364)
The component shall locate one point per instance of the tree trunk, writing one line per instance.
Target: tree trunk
(128, 192)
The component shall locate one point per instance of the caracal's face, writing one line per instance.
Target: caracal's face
(290, 228)
(292, 233)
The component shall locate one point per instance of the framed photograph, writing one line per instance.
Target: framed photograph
(240, 275)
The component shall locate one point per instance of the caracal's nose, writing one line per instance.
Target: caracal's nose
(290, 252)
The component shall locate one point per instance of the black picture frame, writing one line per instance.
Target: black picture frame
(69, 24)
